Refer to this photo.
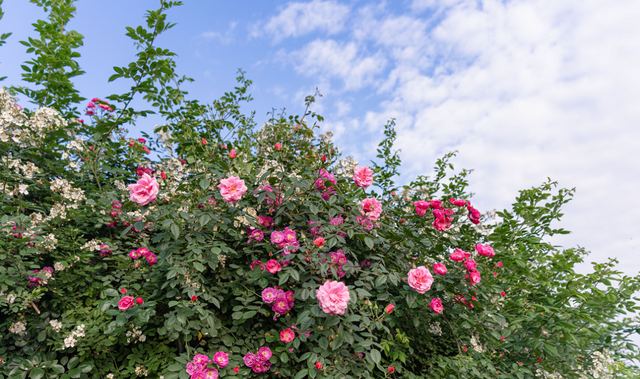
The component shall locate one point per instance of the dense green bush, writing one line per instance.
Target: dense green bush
(237, 246)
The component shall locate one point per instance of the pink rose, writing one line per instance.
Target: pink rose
(389, 308)
(210, 373)
(420, 279)
(333, 297)
(470, 265)
(458, 203)
(201, 359)
(439, 268)
(287, 335)
(421, 207)
(232, 189)
(436, 305)
(474, 277)
(485, 250)
(474, 214)
(142, 170)
(319, 242)
(278, 146)
(193, 367)
(371, 208)
(232, 153)
(363, 176)
(125, 303)
(221, 358)
(277, 237)
(273, 266)
(499, 264)
(144, 191)
(459, 255)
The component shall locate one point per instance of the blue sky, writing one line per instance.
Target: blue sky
(523, 89)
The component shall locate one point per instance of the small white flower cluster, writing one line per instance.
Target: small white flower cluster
(345, 166)
(140, 371)
(268, 164)
(11, 298)
(27, 170)
(326, 137)
(477, 345)
(240, 221)
(62, 186)
(58, 266)
(435, 328)
(93, 245)
(57, 211)
(135, 334)
(601, 369)
(176, 172)
(56, 325)
(71, 340)
(19, 328)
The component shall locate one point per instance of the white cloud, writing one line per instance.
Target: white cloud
(299, 18)
(224, 38)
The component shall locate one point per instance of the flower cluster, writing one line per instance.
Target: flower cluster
(286, 240)
(336, 260)
(281, 301)
(135, 334)
(71, 340)
(47, 272)
(259, 362)
(232, 189)
(19, 328)
(327, 192)
(143, 252)
(363, 176)
(198, 367)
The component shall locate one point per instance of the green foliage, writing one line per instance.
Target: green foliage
(66, 205)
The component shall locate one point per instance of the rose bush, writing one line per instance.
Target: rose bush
(258, 252)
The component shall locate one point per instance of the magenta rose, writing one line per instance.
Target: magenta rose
(287, 335)
(250, 359)
(474, 277)
(458, 255)
(436, 305)
(485, 250)
(470, 265)
(210, 373)
(439, 268)
(474, 215)
(126, 303)
(221, 358)
(371, 208)
(269, 295)
(421, 207)
(420, 279)
(273, 266)
(264, 354)
(144, 191)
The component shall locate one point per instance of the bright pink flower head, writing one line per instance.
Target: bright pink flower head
(440, 268)
(277, 237)
(474, 277)
(211, 373)
(435, 204)
(363, 176)
(436, 305)
(125, 303)
(319, 242)
(144, 191)
(232, 153)
(143, 251)
(139, 301)
(236, 369)
(503, 293)
(459, 255)
(458, 203)
(289, 235)
(287, 335)
(254, 264)
(199, 375)
(133, 254)
(470, 265)
(485, 250)
(143, 170)
(474, 215)
(163, 175)
(232, 189)
(336, 221)
(91, 105)
(89, 113)
(281, 305)
(333, 297)
(420, 279)
(273, 266)
(193, 367)
(278, 146)
(499, 264)
(221, 358)
(151, 258)
(123, 291)
(389, 308)
(421, 207)
(249, 359)
(269, 295)
(371, 208)
(264, 354)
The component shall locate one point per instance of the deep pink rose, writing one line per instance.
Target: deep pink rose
(458, 203)
(142, 170)
(151, 258)
(319, 242)
(210, 373)
(439, 268)
(264, 354)
(232, 189)
(459, 255)
(193, 367)
(287, 335)
(126, 303)
(420, 279)
(371, 208)
(333, 297)
(277, 237)
(273, 266)
(421, 207)
(485, 250)
(470, 265)
(221, 358)
(474, 215)
(474, 277)
(436, 305)
(363, 176)
(201, 359)
(232, 153)
(144, 191)
(249, 359)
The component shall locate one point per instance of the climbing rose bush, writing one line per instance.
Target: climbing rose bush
(217, 248)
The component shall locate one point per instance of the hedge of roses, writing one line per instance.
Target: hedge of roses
(215, 248)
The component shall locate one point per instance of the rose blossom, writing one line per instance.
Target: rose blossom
(470, 265)
(421, 207)
(264, 354)
(232, 153)
(420, 279)
(144, 191)
(458, 203)
(139, 301)
(474, 277)
(125, 303)
(474, 214)
(389, 308)
(232, 189)
(199, 375)
(485, 250)
(151, 258)
(269, 295)
(193, 367)
(287, 335)
(211, 373)
(201, 359)
(363, 176)
(273, 266)
(371, 208)
(333, 297)
(436, 305)
(281, 305)
(221, 358)
(459, 255)
(319, 242)
(277, 237)
(439, 268)
(141, 171)
(249, 359)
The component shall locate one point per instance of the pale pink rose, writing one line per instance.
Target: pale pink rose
(420, 279)
(287, 335)
(474, 277)
(333, 297)
(439, 268)
(221, 358)
(126, 303)
(485, 250)
(371, 208)
(232, 189)
(363, 176)
(436, 305)
(273, 266)
(470, 265)
(144, 191)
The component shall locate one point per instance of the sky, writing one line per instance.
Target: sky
(524, 90)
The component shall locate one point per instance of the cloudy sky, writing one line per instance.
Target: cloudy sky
(525, 90)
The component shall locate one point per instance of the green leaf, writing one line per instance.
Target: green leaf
(204, 219)
(369, 242)
(363, 293)
(199, 266)
(283, 278)
(380, 280)
(58, 368)
(175, 230)
(294, 274)
(42, 335)
(204, 184)
(301, 374)
(36, 373)
(111, 292)
(73, 362)
(375, 355)
(75, 373)
(86, 367)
